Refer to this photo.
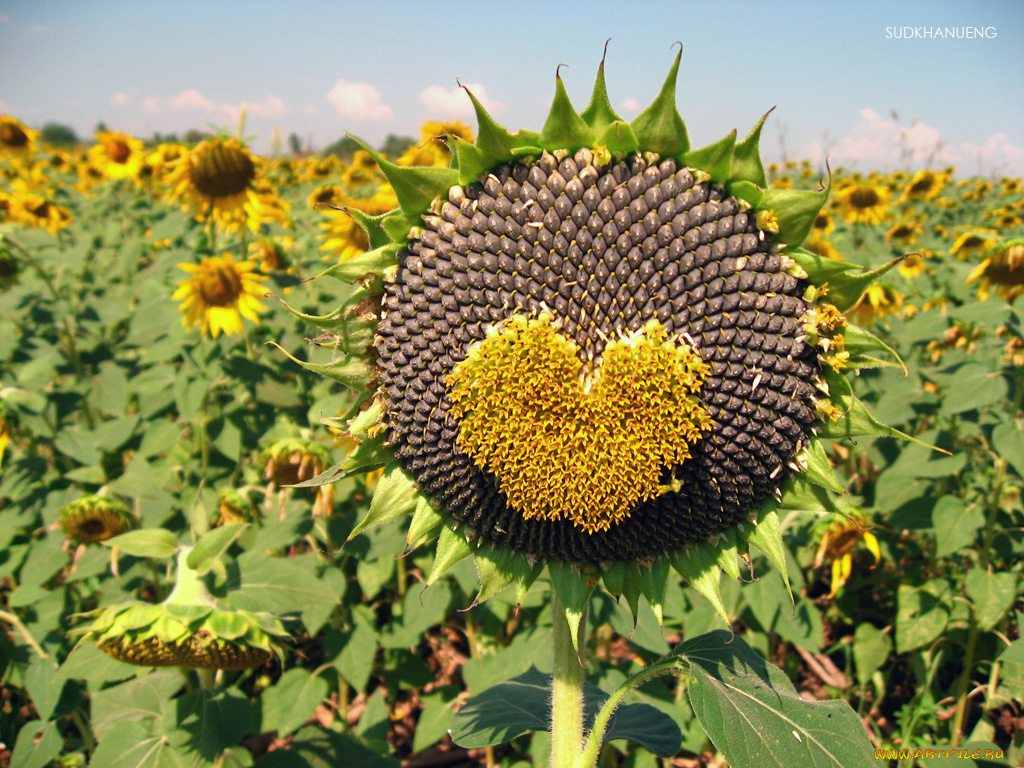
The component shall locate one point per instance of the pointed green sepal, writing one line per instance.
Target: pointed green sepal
(819, 471)
(471, 161)
(766, 535)
(820, 269)
(397, 224)
(415, 186)
(349, 370)
(491, 139)
(525, 573)
(564, 128)
(365, 421)
(795, 211)
(746, 157)
(746, 191)
(375, 233)
(366, 267)
(859, 342)
(653, 582)
(494, 570)
(631, 590)
(370, 454)
(426, 522)
(854, 419)
(699, 566)
(614, 579)
(452, 548)
(395, 496)
(618, 137)
(801, 495)
(847, 289)
(728, 553)
(574, 592)
(599, 113)
(714, 159)
(659, 128)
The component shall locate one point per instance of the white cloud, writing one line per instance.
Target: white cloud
(630, 105)
(358, 101)
(191, 101)
(309, 109)
(997, 155)
(152, 105)
(122, 98)
(454, 102)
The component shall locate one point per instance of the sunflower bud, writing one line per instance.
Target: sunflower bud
(91, 519)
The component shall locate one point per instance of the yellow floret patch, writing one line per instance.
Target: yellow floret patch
(568, 442)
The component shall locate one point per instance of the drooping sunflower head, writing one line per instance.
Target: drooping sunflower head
(219, 294)
(189, 629)
(593, 349)
(234, 507)
(973, 241)
(91, 519)
(293, 460)
(838, 538)
(1001, 270)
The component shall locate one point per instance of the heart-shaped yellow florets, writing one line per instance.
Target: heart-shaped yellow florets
(570, 441)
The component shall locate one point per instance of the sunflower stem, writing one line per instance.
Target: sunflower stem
(14, 621)
(566, 690)
(189, 588)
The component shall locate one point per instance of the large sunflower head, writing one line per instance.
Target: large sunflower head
(95, 518)
(599, 348)
(219, 294)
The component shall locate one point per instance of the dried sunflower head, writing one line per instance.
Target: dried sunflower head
(596, 347)
(189, 629)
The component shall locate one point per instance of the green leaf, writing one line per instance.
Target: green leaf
(292, 701)
(992, 595)
(316, 747)
(956, 524)
(44, 686)
(1008, 442)
(394, 497)
(564, 128)
(973, 386)
(659, 128)
(148, 542)
(366, 267)
(922, 614)
(523, 704)
(493, 141)
(432, 725)
(426, 521)
(756, 718)
(134, 701)
(212, 545)
(131, 745)
(653, 582)
(819, 469)
(265, 583)
(358, 647)
(871, 649)
(349, 370)
(494, 570)
(38, 743)
(422, 609)
(855, 419)
(212, 720)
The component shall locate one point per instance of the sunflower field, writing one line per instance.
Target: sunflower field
(253, 518)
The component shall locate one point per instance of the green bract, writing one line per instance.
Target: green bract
(597, 227)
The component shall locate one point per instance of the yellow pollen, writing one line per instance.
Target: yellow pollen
(568, 443)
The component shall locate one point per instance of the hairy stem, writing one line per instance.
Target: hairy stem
(567, 691)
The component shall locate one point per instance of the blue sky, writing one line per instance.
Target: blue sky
(842, 79)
